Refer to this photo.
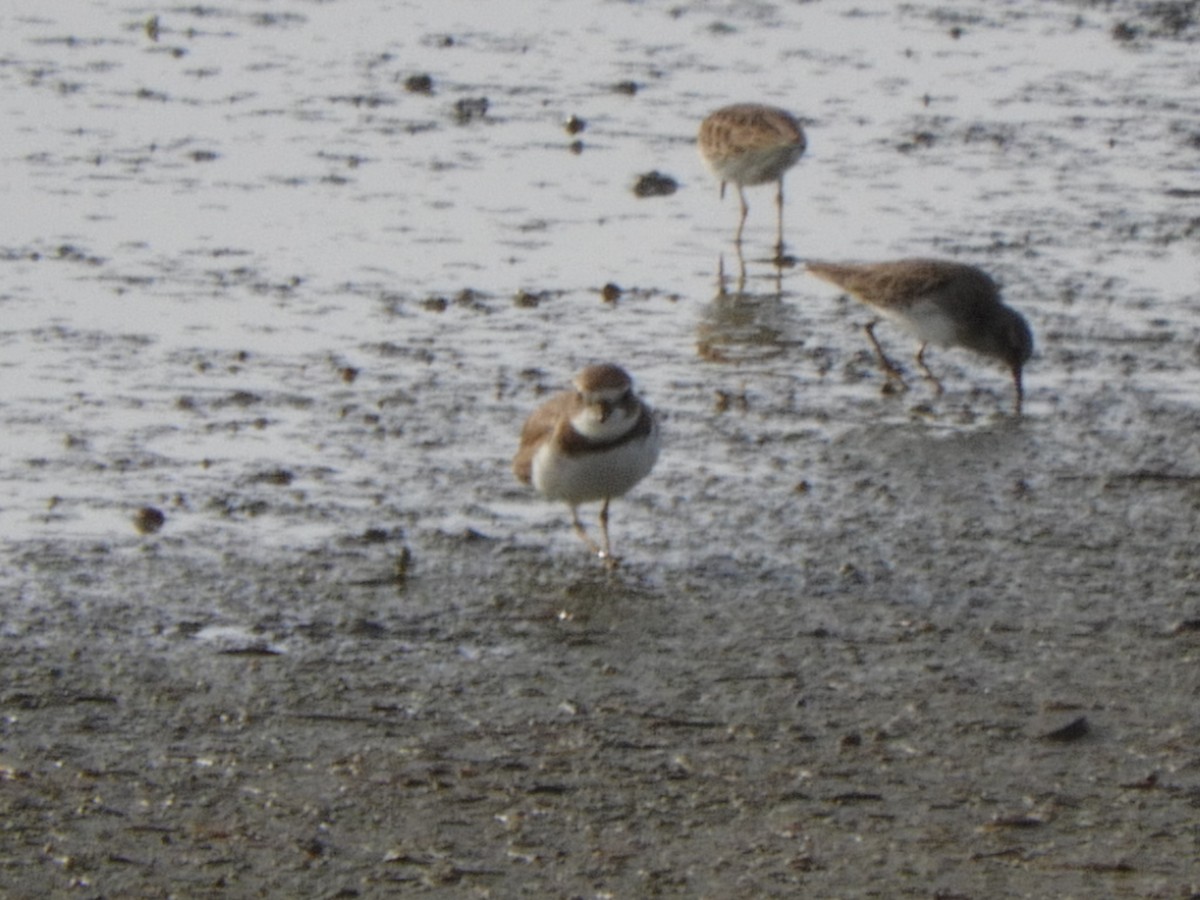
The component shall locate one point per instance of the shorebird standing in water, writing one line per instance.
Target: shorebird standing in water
(749, 144)
(592, 443)
(946, 303)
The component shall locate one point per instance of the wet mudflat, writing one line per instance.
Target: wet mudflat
(862, 644)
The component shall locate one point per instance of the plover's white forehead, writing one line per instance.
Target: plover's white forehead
(606, 380)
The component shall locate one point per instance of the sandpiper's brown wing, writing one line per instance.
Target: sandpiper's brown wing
(894, 283)
(743, 127)
(538, 427)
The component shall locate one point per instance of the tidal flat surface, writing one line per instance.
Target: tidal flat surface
(281, 281)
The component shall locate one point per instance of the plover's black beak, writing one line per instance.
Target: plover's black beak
(606, 410)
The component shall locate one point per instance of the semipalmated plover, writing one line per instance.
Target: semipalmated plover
(592, 443)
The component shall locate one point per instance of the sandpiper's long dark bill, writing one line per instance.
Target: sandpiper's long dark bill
(589, 444)
(749, 144)
(940, 302)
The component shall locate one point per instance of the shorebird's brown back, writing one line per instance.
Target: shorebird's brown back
(602, 377)
(900, 282)
(734, 130)
(539, 427)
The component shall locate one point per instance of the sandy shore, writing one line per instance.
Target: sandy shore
(863, 644)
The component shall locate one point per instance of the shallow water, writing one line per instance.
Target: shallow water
(252, 281)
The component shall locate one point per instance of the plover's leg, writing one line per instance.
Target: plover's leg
(741, 221)
(578, 528)
(937, 384)
(1020, 389)
(888, 366)
(606, 554)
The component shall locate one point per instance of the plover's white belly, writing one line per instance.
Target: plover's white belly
(584, 477)
(926, 321)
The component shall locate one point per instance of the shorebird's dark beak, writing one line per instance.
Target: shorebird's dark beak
(606, 410)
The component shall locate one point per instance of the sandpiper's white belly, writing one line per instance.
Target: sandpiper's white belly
(756, 166)
(926, 321)
(585, 477)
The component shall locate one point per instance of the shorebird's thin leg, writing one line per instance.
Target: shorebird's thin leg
(779, 224)
(1020, 389)
(606, 554)
(742, 221)
(723, 281)
(937, 384)
(578, 528)
(888, 366)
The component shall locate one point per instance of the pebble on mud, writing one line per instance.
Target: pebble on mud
(919, 140)
(655, 184)
(574, 124)
(469, 298)
(1123, 32)
(419, 84)
(469, 109)
(1072, 731)
(148, 520)
(528, 299)
(1018, 821)
(279, 477)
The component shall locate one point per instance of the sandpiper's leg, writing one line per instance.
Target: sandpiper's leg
(578, 528)
(888, 366)
(779, 223)
(937, 384)
(1020, 388)
(723, 279)
(606, 554)
(742, 221)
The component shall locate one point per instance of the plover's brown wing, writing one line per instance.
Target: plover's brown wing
(538, 427)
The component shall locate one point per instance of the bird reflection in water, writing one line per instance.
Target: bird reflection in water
(740, 326)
